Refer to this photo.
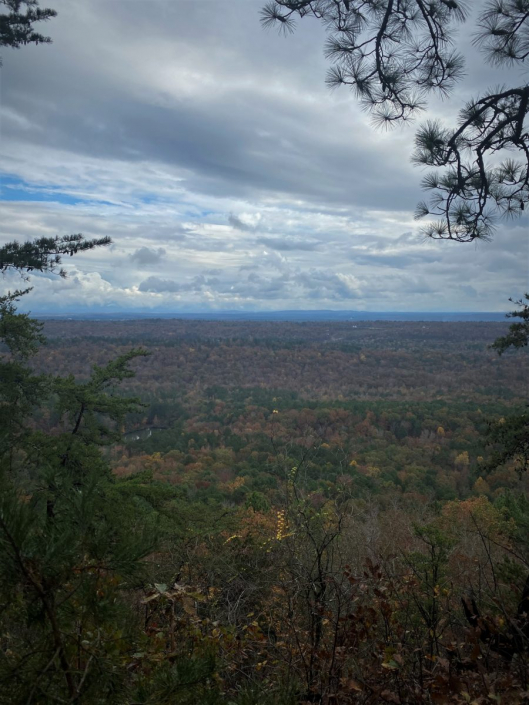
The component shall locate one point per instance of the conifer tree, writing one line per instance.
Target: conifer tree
(45, 254)
(510, 436)
(393, 55)
(17, 18)
(65, 554)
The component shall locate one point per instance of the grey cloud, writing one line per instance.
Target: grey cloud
(469, 291)
(407, 250)
(407, 238)
(328, 285)
(288, 244)
(395, 260)
(147, 255)
(157, 285)
(243, 140)
(213, 272)
(239, 224)
(512, 262)
(418, 285)
(317, 283)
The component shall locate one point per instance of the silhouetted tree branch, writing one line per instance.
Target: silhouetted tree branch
(393, 55)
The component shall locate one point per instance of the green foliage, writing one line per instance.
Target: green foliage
(16, 23)
(66, 557)
(257, 501)
(509, 439)
(509, 436)
(18, 332)
(45, 254)
(84, 405)
(21, 390)
(515, 506)
(66, 627)
(430, 567)
(518, 334)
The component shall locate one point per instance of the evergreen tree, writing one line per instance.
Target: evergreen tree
(518, 335)
(510, 436)
(16, 23)
(65, 554)
(45, 254)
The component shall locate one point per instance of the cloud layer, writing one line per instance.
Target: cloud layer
(225, 172)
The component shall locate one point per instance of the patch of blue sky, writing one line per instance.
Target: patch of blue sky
(14, 189)
(195, 212)
(164, 204)
(149, 199)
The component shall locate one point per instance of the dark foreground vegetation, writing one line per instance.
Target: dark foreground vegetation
(284, 513)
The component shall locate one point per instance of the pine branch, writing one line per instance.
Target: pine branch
(45, 254)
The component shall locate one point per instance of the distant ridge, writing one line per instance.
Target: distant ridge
(320, 315)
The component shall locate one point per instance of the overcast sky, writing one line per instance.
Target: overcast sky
(226, 173)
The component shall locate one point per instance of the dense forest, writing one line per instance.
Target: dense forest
(294, 513)
(374, 405)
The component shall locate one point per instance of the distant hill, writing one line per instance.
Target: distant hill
(282, 316)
